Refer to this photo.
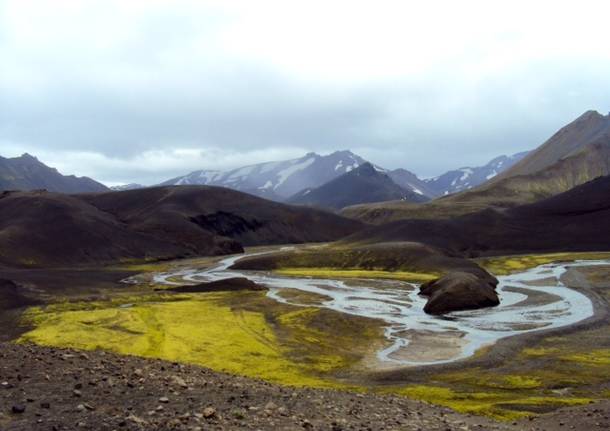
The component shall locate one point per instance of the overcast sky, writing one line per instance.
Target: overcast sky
(141, 91)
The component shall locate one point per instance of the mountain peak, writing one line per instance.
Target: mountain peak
(342, 153)
(366, 168)
(365, 183)
(280, 179)
(26, 172)
(590, 114)
(28, 156)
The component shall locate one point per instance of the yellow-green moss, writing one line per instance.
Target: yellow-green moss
(415, 277)
(509, 264)
(502, 405)
(594, 357)
(204, 330)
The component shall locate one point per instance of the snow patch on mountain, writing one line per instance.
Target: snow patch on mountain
(277, 180)
(469, 177)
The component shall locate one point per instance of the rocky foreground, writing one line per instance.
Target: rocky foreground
(54, 389)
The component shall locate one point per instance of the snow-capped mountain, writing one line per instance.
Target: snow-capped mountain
(470, 177)
(130, 186)
(277, 180)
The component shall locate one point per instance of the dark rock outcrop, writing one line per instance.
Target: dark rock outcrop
(11, 297)
(226, 285)
(460, 291)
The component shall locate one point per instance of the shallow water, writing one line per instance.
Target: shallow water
(417, 338)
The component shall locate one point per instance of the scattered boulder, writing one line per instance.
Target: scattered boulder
(457, 291)
(209, 412)
(225, 285)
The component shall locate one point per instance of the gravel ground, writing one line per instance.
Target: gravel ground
(57, 389)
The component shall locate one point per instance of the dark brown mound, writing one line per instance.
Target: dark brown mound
(178, 212)
(460, 291)
(226, 285)
(576, 220)
(49, 229)
(389, 256)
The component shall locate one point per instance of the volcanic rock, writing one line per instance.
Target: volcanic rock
(225, 285)
(459, 291)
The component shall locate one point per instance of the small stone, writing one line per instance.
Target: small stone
(209, 412)
(164, 400)
(77, 393)
(270, 406)
(179, 381)
(18, 408)
(80, 408)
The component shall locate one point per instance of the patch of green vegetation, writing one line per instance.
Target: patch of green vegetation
(510, 264)
(145, 266)
(594, 357)
(415, 277)
(506, 398)
(260, 338)
(349, 257)
(538, 352)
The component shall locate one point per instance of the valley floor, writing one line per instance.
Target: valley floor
(56, 389)
(564, 374)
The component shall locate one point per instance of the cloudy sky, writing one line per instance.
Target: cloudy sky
(145, 90)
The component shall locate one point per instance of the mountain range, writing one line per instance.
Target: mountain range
(28, 173)
(289, 179)
(576, 154)
(277, 180)
(470, 177)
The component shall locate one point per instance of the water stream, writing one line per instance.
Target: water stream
(417, 338)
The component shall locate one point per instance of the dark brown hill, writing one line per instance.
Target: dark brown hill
(50, 229)
(364, 184)
(176, 212)
(576, 220)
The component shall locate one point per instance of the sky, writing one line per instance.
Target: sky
(145, 90)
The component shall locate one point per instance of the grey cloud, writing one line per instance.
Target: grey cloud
(171, 86)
